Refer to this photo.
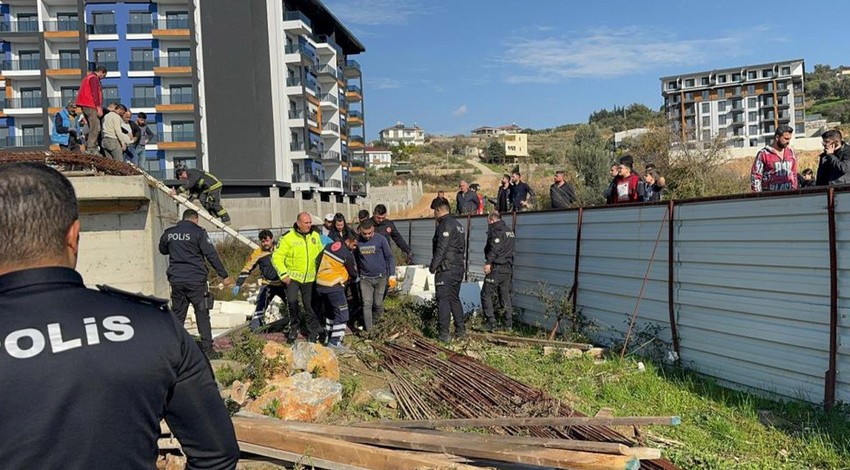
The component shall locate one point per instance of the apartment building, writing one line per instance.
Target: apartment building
(260, 92)
(401, 134)
(516, 145)
(742, 105)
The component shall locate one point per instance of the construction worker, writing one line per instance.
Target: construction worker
(388, 229)
(498, 270)
(66, 128)
(337, 267)
(294, 259)
(85, 360)
(447, 265)
(271, 283)
(189, 249)
(205, 187)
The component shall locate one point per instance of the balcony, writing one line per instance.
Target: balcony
(171, 28)
(330, 126)
(328, 44)
(353, 93)
(108, 28)
(182, 103)
(20, 26)
(351, 69)
(328, 100)
(296, 22)
(111, 66)
(173, 67)
(355, 118)
(143, 102)
(783, 103)
(140, 28)
(176, 141)
(294, 53)
(327, 71)
(330, 155)
(356, 142)
(333, 183)
(142, 65)
(297, 147)
(22, 141)
(20, 68)
(306, 178)
(22, 106)
(65, 68)
(62, 30)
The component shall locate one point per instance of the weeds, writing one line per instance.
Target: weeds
(270, 409)
(557, 306)
(248, 349)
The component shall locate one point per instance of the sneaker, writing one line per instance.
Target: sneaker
(340, 349)
(490, 327)
(254, 325)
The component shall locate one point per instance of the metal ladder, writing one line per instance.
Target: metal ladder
(182, 200)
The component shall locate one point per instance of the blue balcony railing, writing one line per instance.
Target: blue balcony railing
(295, 15)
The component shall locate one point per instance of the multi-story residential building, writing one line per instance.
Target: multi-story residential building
(401, 134)
(516, 145)
(260, 92)
(379, 158)
(743, 105)
(487, 131)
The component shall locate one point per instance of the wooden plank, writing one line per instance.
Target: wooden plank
(524, 422)
(462, 445)
(507, 339)
(269, 433)
(293, 457)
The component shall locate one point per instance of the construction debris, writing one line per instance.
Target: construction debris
(73, 163)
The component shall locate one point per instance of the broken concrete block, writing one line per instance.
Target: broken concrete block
(596, 353)
(239, 392)
(240, 307)
(569, 353)
(299, 398)
(225, 321)
(316, 359)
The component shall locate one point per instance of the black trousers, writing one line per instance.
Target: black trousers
(264, 299)
(211, 200)
(297, 315)
(499, 280)
(184, 294)
(448, 302)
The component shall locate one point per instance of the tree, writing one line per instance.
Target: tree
(495, 151)
(590, 160)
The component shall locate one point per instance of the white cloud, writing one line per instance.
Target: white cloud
(460, 111)
(377, 12)
(608, 54)
(383, 83)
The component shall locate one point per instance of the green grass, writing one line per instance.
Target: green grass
(720, 428)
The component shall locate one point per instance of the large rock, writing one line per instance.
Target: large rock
(298, 398)
(316, 359)
(275, 350)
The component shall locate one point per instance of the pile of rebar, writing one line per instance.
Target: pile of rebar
(69, 162)
(431, 382)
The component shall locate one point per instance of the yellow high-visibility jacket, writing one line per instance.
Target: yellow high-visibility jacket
(295, 255)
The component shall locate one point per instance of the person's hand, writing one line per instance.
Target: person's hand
(173, 192)
(830, 148)
(392, 282)
(123, 148)
(410, 258)
(235, 290)
(228, 281)
(99, 111)
(286, 280)
(488, 269)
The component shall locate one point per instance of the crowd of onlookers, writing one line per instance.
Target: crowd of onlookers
(86, 125)
(775, 167)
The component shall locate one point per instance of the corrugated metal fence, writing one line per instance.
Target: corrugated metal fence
(756, 293)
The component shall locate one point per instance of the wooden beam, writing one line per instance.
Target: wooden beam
(293, 457)
(523, 422)
(507, 339)
(464, 446)
(270, 433)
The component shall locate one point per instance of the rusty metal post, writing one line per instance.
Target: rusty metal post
(578, 255)
(829, 385)
(466, 250)
(671, 279)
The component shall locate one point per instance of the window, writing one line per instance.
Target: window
(110, 94)
(798, 101)
(704, 80)
(30, 97)
(141, 59)
(29, 60)
(800, 129)
(754, 142)
(183, 131)
(5, 140)
(785, 70)
(689, 82)
(706, 107)
(179, 57)
(736, 77)
(754, 129)
(689, 96)
(67, 94)
(67, 21)
(721, 79)
(752, 102)
(721, 119)
(140, 23)
(766, 73)
(721, 106)
(738, 90)
(706, 135)
(181, 94)
(706, 121)
(33, 135)
(721, 93)
(69, 59)
(671, 85)
(798, 115)
(153, 165)
(753, 116)
(751, 89)
(752, 74)
(188, 162)
(107, 58)
(144, 96)
(705, 95)
(176, 20)
(27, 22)
(103, 22)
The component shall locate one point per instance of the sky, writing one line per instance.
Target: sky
(453, 65)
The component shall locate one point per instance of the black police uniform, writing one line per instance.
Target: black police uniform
(499, 254)
(188, 247)
(88, 375)
(388, 229)
(447, 264)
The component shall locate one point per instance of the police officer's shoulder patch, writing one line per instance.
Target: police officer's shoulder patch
(445, 234)
(161, 304)
(496, 240)
(389, 229)
(336, 246)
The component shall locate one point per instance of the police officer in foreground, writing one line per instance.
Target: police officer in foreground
(78, 361)
(447, 265)
(189, 248)
(388, 229)
(498, 270)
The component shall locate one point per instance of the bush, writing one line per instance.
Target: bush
(248, 349)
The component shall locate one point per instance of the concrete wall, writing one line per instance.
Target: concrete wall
(122, 219)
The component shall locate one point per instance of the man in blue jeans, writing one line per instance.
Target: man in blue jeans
(376, 264)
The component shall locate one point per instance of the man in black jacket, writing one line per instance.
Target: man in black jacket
(561, 194)
(448, 266)
(834, 163)
(189, 248)
(503, 198)
(498, 269)
(85, 360)
(441, 196)
(388, 229)
(466, 199)
(521, 193)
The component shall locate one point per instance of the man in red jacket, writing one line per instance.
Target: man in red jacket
(90, 98)
(626, 184)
